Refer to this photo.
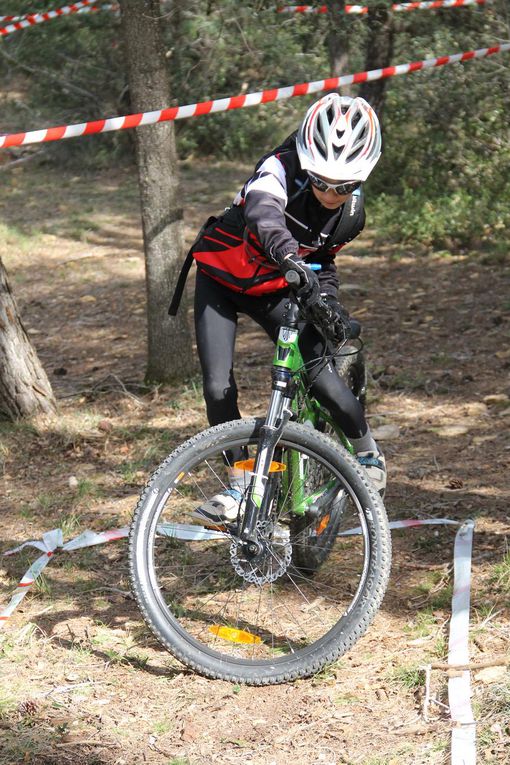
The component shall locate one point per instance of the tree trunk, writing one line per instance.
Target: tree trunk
(338, 37)
(170, 355)
(381, 34)
(24, 387)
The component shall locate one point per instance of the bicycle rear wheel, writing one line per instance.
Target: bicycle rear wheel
(313, 533)
(262, 620)
(351, 366)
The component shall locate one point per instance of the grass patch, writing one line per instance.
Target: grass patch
(437, 591)
(404, 381)
(84, 559)
(442, 599)
(151, 447)
(495, 701)
(81, 654)
(13, 238)
(345, 699)
(17, 641)
(86, 489)
(70, 524)
(160, 727)
(500, 575)
(394, 759)
(423, 625)
(428, 542)
(410, 677)
(48, 501)
(7, 706)
(440, 648)
(27, 513)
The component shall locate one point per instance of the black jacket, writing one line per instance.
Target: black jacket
(281, 211)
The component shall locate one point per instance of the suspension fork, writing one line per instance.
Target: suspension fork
(258, 499)
(283, 390)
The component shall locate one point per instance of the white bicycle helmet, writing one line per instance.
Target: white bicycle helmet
(340, 138)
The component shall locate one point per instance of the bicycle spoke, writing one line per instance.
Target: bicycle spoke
(267, 604)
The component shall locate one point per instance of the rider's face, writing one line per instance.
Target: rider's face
(329, 199)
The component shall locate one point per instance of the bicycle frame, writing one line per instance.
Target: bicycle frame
(289, 398)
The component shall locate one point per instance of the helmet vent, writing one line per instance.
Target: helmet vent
(340, 137)
(354, 153)
(321, 144)
(355, 119)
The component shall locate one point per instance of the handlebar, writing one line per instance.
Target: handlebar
(322, 315)
(292, 278)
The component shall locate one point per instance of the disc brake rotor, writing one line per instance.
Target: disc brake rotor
(271, 563)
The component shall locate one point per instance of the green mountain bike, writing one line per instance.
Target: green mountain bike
(297, 578)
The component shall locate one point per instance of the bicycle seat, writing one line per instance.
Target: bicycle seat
(355, 328)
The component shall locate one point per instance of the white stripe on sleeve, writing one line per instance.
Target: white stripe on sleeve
(270, 179)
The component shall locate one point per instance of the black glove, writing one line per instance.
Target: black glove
(340, 318)
(309, 289)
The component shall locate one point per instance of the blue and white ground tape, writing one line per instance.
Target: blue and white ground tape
(459, 688)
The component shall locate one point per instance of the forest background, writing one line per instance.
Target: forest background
(445, 178)
(83, 680)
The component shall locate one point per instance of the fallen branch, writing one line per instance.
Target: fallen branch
(497, 661)
(82, 257)
(418, 730)
(124, 593)
(69, 688)
(86, 742)
(20, 161)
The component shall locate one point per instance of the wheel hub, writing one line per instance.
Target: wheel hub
(273, 559)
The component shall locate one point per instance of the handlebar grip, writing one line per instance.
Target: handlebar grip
(292, 278)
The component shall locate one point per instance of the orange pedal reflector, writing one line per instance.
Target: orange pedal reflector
(275, 467)
(234, 635)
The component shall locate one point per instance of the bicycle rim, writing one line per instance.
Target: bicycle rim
(262, 620)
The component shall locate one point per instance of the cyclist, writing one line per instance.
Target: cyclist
(301, 205)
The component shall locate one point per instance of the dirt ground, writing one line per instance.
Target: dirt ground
(83, 681)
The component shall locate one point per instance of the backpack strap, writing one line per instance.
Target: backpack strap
(183, 275)
(349, 224)
(181, 282)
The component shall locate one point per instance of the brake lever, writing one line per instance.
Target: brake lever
(336, 330)
(319, 313)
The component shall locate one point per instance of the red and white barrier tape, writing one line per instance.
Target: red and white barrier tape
(407, 524)
(58, 11)
(425, 4)
(398, 7)
(31, 19)
(6, 19)
(236, 102)
(319, 9)
(50, 543)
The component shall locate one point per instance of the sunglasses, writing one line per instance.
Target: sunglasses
(340, 188)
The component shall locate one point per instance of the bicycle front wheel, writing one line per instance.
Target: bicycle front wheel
(261, 620)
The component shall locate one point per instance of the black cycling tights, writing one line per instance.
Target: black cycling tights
(216, 313)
